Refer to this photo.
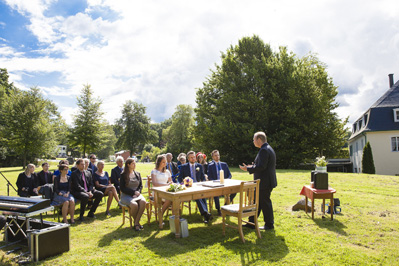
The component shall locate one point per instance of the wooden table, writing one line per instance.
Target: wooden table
(197, 191)
(324, 194)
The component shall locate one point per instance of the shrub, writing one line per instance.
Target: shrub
(368, 161)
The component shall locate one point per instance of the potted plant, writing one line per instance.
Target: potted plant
(321, 164)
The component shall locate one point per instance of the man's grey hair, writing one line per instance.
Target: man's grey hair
(119, 158)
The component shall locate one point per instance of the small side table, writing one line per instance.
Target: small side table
(313, 194)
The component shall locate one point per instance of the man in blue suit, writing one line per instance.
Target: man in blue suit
(92, 164)
(214, 168)
(196, 172)
(264, 168)
(116, 173)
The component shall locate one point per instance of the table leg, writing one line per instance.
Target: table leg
(332, 206)
(306, 205)
(312, 208)
(176, 213)
(324, 206)
(159, 209)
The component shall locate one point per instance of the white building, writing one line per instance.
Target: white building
(379, 125)
(61, 151)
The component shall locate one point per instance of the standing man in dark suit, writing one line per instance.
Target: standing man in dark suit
(92, 164)
(264, 168)
(44, 181)
(195, 171)
(214, 168)
(116, 173)
(171, 166)
(83, 189)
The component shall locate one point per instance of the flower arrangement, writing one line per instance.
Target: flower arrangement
(197, 169)
(175, 187)
(188, 181)
(321, 161)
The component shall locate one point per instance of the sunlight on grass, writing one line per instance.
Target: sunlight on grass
(365, 233)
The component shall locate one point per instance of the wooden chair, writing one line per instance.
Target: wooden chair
(128, 216)
(248, 206)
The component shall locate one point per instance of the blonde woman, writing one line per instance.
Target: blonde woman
(26, 182)
(103, 183)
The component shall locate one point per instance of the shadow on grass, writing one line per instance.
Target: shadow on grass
(334, 225)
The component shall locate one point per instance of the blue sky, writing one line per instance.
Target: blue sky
(157, 53)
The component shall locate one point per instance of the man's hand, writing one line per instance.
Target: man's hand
(90, 194)
(243, 167)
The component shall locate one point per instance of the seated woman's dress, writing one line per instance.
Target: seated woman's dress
(26, 184)
(63, 187)
(102, 180)
(127, 190)
(160, 177)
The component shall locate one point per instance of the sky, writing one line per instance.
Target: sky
(159, 52)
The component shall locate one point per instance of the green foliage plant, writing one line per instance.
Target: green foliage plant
(367, 160)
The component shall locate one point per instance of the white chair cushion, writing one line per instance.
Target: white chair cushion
(234, 208)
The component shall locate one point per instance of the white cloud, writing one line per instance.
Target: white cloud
(158, 53)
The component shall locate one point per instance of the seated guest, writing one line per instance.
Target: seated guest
(214, 174)
(195, 171)
(86, 165)
(103, 183)
(92, 164)
(83, 189)
(44, 182)
(131, 186)
(26, 182)
(62, 193)
(180, 159)
(161, 176)
(116, 173)
(201, 159)
(57, 172)
(171, 166)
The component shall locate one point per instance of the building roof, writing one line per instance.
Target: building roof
(380, 116)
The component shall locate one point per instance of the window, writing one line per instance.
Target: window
(396, 115)
(360, 123)
(365, 118)
(362, 145)
(395, 143)
(354, 127)
(350, 150)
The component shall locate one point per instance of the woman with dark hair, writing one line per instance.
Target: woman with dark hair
(131, 186)
(62, 193)
(103, 183)
(160, 176)
(57, 172)
(26, 182)
(201, 159)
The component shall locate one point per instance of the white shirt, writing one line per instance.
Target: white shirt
(159, 177)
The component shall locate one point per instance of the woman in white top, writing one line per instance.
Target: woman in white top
(160, 176)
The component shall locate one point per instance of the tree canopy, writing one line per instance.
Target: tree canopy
(255, 89)
(134, 127)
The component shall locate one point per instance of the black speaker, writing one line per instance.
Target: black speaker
(320, 180)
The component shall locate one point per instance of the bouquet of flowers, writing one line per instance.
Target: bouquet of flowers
(175, 187)
(321, 161)
(188, 181)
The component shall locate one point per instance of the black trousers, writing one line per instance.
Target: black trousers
(266, 206)
(84, 198)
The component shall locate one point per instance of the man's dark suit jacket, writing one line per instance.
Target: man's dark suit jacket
(78, 184)
(264, 167)
(40, 180)
(175, 169)
(116, 176)
(185, 171)
(212, 171)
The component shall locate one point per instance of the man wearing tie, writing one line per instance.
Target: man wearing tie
(116, 173)
(196, 172)
(171, 166)
(44, 180)
(264, 168)
(83, 189)
(214, 168)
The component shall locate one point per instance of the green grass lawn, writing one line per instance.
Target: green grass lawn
(365, 233)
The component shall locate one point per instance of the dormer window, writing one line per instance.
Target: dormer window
(360, 123)
(365, 119)
(354, 127)
(396, 115)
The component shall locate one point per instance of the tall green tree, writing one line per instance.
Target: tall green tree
(179, 135)
(367, 160)
(134, 128)
(88, 128)
(108, 142)
(30, 121)
(255, 89)
(159, 127)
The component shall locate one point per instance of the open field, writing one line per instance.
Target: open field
(365, 233)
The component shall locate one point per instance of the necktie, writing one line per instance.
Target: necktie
(45, 177)
(84, 180)
(193, 172)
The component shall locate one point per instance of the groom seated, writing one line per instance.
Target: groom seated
(196, 172)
